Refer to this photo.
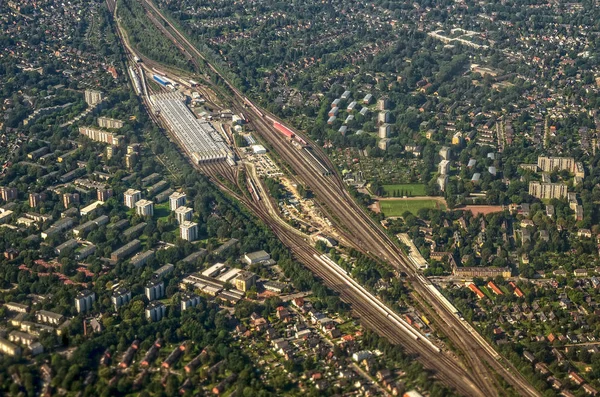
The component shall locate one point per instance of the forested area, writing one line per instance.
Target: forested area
(146, 37)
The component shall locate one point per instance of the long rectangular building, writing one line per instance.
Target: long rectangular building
(107, 122)
(547, 190)
(198, 138)
(549, 164)
(125, 250)
(481, 272)
(98, 135)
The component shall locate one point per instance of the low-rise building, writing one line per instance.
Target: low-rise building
(90, 208)
(58, 227)
(481, 272)
(22, 338)
(444, 167)
(67, 245)
(359, 356)
(214, 270)
(47, 317)
(256, 257)
(17, 307)
(125, 250)
(9, 348)
(142, 258)
(164, 270)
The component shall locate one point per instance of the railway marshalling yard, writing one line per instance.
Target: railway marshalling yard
(209, 139)
(299, 243)
(472, 376)
(302, 212)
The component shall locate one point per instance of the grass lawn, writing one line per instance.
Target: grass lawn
(405, 189)
(161, 211)
(399, 207)
(487, 293)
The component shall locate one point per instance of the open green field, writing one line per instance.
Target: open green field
(399, 207)
(161, 211)
(404, 189)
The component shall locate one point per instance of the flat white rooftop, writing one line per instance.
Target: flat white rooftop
(198, 137)
(213, 270)
(229, 275)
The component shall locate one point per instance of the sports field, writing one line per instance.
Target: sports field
(400, 206)
(404, 189)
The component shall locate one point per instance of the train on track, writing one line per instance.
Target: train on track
(253, 190)
(378, 305)
(444, 301)
(251, 105)
(316, 162)
(288, 133)
(163, 81)
(136, 81)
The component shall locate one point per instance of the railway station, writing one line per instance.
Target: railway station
(198, 137)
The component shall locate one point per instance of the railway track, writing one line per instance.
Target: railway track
(370, 318)
(366, 236)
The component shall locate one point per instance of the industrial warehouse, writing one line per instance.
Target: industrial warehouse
(198, 137)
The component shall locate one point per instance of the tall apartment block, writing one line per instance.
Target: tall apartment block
(8, 193)
(131, 197)
(154, 289)
(183, 214)
(385, 130)
(34, 199)
(155, 311)
(84, 301)
(93, 97)
(120, 297)
(176, 200)
(144, 208)
(104, 194)
(189, 231)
